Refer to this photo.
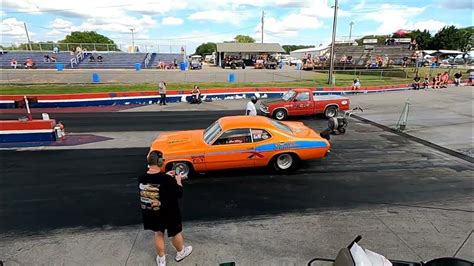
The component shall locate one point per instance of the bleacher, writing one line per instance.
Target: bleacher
(166, 58)
(360, 54)
(37, 57)
(116, 60)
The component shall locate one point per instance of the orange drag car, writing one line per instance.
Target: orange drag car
(240, 142)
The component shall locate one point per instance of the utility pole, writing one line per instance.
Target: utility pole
(331, 57)
(133, 41)
(350, 30)
(263, 20)
(28, 36)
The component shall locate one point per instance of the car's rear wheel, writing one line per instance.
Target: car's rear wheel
(284, 162)
(331, 111)
(280, 114)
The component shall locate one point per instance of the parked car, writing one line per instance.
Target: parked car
(196, 64)
(299, 102)
(233, 63)
(240, 142)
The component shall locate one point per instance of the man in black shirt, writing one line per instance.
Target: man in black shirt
(159, 195)
(457, 78)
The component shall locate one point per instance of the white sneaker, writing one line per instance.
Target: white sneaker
(184, 253)
(161, 261)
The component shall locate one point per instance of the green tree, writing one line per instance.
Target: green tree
(85, 37)
(206, 48)
(449, 37)
(244, 38)
(467, 39)
(289, 48)
(423, 38)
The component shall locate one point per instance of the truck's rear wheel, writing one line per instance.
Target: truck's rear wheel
(331, 111)
(280, 114)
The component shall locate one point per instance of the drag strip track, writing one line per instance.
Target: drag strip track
(133, 121)
(44, 190)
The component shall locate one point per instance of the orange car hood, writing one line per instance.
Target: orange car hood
(178, 141)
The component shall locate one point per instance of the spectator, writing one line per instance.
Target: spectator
(159, 199)
(13, 63)
(55, 50)
(196, 95)
(426, 82)
(343, 59)
(416, 82)
(414, 56)
(100, 59)
(444, 79)
(29, 64)
(405, 59)
(53, 59)
(175, 63)
(356, 84)
(161, 65)
(78, 49)
(91, 59)
(162, 91)
(46, 58)
(458, 79)
(471, 76)
(413, 44)
(437, 81)
(349, 59)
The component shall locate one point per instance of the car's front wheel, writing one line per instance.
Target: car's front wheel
(182, 167)
(280, 114)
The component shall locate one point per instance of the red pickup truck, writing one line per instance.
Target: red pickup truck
(297, 102)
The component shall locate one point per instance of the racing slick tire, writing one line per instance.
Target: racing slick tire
(280, 114)
(243, 66)
(331, 111)
(284, 162)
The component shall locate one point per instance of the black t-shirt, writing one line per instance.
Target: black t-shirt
(159, 195)
(416, 79)
(457, 75)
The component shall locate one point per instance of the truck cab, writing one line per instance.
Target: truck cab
(302, 102)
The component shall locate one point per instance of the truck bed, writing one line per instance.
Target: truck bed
(328, 97)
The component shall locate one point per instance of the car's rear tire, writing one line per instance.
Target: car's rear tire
(331, 111)
(280, 114)
(243, 66)
(284, 162)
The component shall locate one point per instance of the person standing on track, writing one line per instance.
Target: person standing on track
(251, 110)
(162, 91)
(159, 195)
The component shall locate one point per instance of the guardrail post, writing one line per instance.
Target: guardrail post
(381, 74)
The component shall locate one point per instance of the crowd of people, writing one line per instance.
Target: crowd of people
(28, 64)
(438, 81)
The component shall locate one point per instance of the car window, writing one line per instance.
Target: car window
(260, 135)
(211, 132)
(303, 96)
(282, 127)
(288, 95)
(234, 136)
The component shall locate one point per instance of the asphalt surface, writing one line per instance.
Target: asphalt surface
(46, 190)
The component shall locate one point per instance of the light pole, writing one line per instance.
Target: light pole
(331, 56)
(350, 30)
(133, 41)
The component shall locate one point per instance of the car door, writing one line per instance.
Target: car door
(232, 149)
(301, 104)
(264, 143)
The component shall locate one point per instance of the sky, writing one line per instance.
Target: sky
(191, 22)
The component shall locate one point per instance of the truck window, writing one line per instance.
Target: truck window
(289, 95)
(302, 96)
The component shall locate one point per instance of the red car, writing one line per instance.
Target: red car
(298, 102)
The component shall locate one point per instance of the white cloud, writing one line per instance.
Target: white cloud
(2, 13)
(14, 30)
(172, 21)
(457, 4)
(289, 26)
(430, 25)
(392, 17)
(219, 16)
(60, 24)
